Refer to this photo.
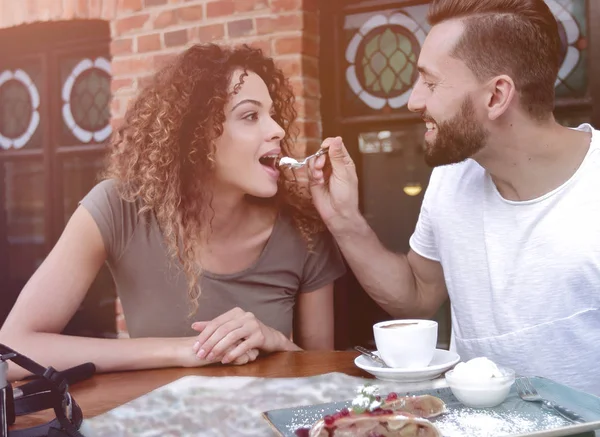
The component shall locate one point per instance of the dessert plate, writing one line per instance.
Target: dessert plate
(442, 360)
(513, 418)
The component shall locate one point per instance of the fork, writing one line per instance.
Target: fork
(528, 393)
(288, 161)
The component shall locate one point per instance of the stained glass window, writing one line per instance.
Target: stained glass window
(86, 101)
(381, 50)
(19, 108)
(381, 55)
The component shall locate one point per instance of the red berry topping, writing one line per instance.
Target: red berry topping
(329, 420)
(392, 396)
(345, 412)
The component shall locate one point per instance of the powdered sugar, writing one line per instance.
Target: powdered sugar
(303, 418)
(469, 422)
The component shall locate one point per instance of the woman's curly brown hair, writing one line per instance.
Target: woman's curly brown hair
(162, 152)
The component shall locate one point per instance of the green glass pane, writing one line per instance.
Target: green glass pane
(405, 44)
(94, 82)
(79, 86)
(388, 43)
(93, 117)
(387, 79)
(398, 61)
(370, 76)
(407, 74)
(101, 100)
(378, 63)
(78, 113)
(87, 100)
(371, 47)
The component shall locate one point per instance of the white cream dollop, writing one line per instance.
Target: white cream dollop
(478, 369)
(365, 400)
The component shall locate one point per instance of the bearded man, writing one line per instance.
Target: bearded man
(509, 228)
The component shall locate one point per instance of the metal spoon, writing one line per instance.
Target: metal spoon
(371, 355)
(288, 161)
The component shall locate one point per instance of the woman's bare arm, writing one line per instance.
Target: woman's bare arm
(55, 292)
(314, 324)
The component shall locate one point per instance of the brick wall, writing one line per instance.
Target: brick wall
(146, 33)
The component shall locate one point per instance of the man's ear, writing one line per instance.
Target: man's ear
(499, 96)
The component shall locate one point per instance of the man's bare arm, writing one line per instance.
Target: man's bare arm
(407, 286)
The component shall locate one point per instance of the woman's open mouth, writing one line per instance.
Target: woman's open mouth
(269, 164)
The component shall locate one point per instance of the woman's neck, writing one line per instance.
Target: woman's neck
(225, 215)
(227, 218)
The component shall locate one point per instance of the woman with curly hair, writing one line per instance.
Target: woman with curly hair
(215, 253)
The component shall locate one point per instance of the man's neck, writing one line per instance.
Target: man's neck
(529, 160)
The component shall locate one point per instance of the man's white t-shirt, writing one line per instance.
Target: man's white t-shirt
(523, 277)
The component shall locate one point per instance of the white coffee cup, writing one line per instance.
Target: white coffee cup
(407, 343)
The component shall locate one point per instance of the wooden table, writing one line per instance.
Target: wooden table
(104, 392)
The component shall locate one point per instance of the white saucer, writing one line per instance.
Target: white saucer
(442, 360)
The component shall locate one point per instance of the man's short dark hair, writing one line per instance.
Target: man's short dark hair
(518, 38)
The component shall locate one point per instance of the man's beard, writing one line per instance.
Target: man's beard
(456, 139)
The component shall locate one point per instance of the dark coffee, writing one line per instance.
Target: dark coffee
(399, 325)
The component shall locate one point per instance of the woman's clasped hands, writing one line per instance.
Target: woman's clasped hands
(236, 337)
